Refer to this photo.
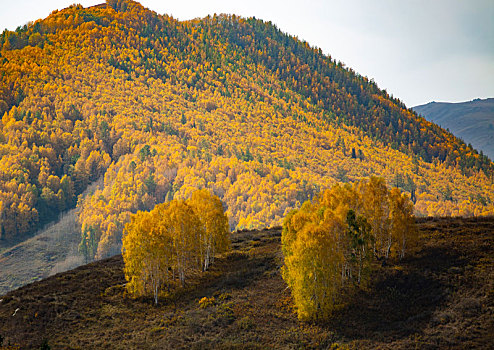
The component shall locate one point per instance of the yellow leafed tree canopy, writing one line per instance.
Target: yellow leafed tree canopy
(157, 108)
(329, 243)
(174, 240)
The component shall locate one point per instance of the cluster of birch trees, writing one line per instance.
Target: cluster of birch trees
(329, 243)
(176, 239)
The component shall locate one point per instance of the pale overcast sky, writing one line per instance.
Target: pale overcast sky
(418, 50)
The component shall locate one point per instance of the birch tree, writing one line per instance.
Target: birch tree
(329, 244)
(173, 241)
(214, 225)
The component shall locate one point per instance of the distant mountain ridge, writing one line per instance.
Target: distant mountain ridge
(473, 121)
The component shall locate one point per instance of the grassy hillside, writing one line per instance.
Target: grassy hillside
(473, 121)
(159, 107)
(438, 297)
(52, 250)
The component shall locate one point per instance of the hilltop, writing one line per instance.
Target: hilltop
(440, 296)
(159, 107)
(473, 121)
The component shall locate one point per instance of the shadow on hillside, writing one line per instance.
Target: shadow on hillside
(236, 271)
(402, 300)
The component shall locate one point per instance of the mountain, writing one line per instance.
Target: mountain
(156, 107)
(440, 296)
(473, 121)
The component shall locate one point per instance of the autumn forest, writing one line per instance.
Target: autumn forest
(150, 109)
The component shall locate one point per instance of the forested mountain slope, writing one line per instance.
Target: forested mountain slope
(473, 121)
(160, 107)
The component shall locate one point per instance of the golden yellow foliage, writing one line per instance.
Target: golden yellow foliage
(215, 230)
(159, 108)
(174, 240)
(328, 243)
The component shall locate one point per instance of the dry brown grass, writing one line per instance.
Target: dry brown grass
(441, 296)
(36, 257)
(51, 250)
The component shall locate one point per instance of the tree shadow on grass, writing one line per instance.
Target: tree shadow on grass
(401, 301)
(234, 271)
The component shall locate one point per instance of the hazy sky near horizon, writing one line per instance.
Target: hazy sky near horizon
(418, 50)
